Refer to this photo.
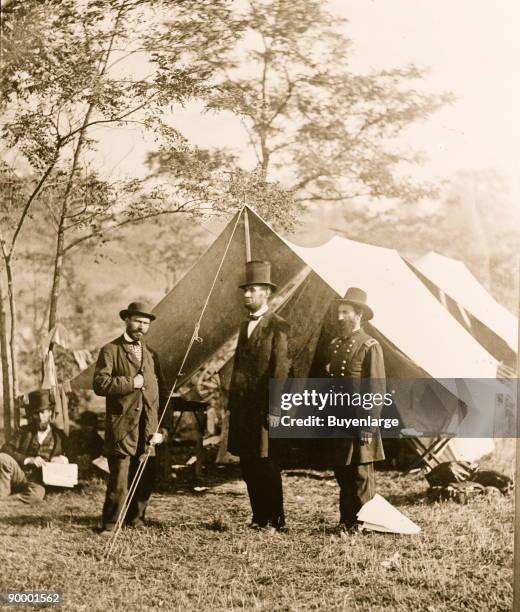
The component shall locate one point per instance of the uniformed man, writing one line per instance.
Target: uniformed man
(357, 359)
(128, 374)
(261, 354)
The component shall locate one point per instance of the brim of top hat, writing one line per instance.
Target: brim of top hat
(273, 287)
(369, 313)
(33, 409)
(127, 313)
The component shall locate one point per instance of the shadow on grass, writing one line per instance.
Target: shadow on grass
(407, 499)
(22, 520)
(312, 474)
(212, 476)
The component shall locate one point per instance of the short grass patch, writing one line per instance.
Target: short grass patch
(198, 554)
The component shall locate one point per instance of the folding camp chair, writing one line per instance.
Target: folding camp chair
(429, 448)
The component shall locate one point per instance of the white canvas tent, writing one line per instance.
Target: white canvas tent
(406, 316)
(419, 337)
(492, 325)
(475, 308)
(404, 312)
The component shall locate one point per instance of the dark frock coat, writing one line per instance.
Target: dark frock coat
(132, 414)
(257, 359)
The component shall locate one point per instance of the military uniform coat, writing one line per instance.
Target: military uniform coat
(257, 359)
(132, 414)
(358, 358)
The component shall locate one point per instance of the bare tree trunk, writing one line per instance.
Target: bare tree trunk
(56, 279)
(6, 375)
(13, 327)
(9, 345)
(60, 242)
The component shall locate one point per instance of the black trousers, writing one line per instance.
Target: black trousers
(356, 488)
(264, 485)
(122, 472)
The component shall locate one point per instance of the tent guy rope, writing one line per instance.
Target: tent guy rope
(144, 458)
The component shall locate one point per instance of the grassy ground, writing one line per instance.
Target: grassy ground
(197, 554)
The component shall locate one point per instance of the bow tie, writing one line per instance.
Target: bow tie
(253, 317)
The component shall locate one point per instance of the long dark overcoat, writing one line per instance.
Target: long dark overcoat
(359, 361)
(257, 359)
(132, 414)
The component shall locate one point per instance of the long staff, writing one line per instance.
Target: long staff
(144, 459)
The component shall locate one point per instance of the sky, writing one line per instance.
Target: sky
(472, 49)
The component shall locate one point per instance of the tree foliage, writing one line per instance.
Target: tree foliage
(327, 132)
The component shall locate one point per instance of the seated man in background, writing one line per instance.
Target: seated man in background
(38, 442)
(85, 444)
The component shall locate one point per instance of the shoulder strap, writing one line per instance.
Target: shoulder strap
(371, 342)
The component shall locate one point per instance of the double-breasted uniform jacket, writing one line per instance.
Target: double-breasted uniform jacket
(262, 356)
(358, 358)
(132, 414)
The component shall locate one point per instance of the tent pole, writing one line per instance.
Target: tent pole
(516, 554)
(247, 235)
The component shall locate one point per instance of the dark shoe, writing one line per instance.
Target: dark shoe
(104, 532)
(255, 526)
(349, 528)
(136, 523)
(278, 524)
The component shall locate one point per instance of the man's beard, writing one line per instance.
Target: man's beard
(43, 426)
(135, 335)
(345, 328)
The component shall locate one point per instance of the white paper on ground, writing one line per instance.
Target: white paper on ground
(102, 463)
(373, 527)
(380, 515)
(60, 474)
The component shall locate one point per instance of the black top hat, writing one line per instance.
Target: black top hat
(137, 309)
(258, 273)
(40, 400)
(358, 297)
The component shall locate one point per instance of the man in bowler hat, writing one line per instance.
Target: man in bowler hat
(38, 442)
(357, 358)
(261, 354)
(128, 374)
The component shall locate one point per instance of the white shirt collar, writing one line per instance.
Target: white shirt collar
(261, 311)
(43, 434)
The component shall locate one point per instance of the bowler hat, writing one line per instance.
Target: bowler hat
(258, 273)
(137, 309)
(40, 400)
(357, 297)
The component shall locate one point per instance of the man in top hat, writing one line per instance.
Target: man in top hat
(128, 374)
(357, 358)
(261, 354)
(38, 442)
